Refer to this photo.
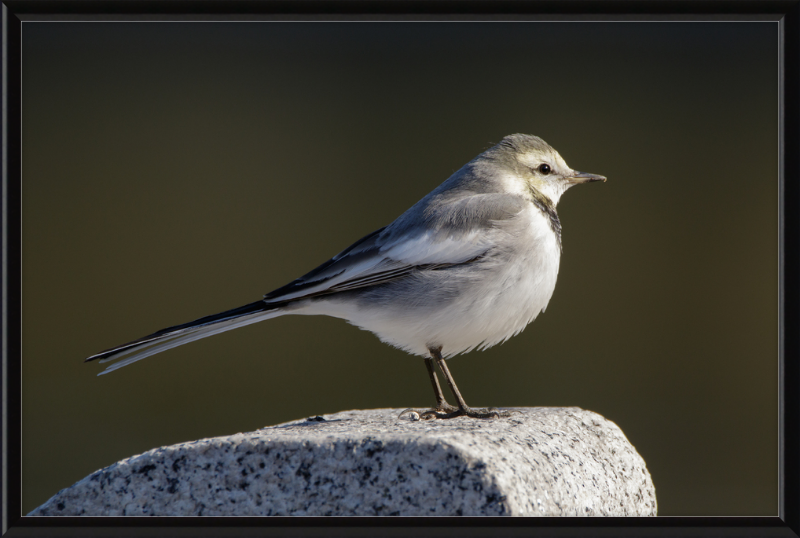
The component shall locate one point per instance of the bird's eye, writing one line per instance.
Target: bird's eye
(544, 169)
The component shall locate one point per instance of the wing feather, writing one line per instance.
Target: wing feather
(453, 233)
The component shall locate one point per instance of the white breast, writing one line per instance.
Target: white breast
(513, 294)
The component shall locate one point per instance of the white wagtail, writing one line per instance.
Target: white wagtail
(468, 266)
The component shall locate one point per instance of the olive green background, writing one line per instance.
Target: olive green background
(174, 170)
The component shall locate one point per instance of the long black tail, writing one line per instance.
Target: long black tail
(181, 334)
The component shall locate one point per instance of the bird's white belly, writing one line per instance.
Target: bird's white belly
(494, 302)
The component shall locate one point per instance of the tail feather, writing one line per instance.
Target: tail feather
(188, 332)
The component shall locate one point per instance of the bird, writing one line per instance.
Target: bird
(468, 266)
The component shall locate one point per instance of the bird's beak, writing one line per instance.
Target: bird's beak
(583, 177)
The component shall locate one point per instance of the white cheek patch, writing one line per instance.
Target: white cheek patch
(514, 185)
(553, 190)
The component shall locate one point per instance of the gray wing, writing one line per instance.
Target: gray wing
(435, 233)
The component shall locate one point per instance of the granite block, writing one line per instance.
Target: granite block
(537, 462)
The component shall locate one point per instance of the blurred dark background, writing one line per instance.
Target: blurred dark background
(174, 170)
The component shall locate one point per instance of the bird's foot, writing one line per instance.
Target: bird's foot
(443, 410)
(448, 411)
(491, 412)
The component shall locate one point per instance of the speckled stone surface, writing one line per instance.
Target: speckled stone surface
(537, 462)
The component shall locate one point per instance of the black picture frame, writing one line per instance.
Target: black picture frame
(787, 12)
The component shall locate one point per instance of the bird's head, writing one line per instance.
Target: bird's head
(536, 168)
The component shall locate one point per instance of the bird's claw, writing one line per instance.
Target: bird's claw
(444, 410)
(491, 412)
(448, 411)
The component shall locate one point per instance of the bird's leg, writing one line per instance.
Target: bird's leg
(463, 408)
(444, 409)
(441, 403)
